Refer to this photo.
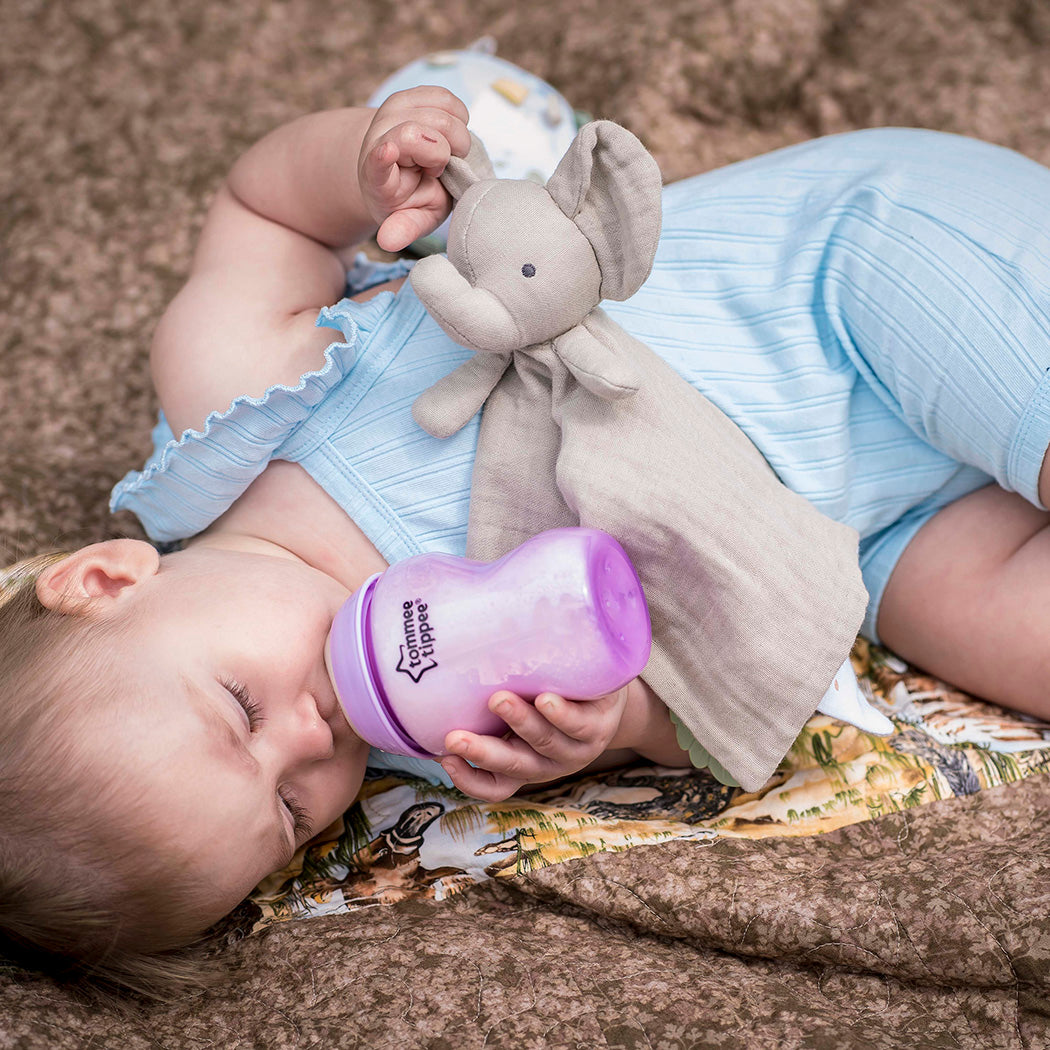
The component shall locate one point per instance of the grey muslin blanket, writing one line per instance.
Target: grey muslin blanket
(755, 597)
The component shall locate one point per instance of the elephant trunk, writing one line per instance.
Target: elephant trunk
(474, 317)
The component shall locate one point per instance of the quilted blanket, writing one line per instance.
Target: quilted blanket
(876, 893)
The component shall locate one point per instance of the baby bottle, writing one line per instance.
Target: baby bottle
(419, 649)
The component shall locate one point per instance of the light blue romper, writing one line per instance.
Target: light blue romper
(870, 308)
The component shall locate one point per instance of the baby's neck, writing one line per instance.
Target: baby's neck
(284, 512)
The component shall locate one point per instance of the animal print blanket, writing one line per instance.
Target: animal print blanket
(409, 839)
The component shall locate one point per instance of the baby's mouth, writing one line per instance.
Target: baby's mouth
(331, 701)
(328, 705)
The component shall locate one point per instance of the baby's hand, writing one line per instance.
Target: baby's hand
(404, 151)
(552, 738)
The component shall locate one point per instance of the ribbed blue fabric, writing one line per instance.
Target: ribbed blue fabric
(870, 308)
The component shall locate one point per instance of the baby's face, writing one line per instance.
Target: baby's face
(233, 742)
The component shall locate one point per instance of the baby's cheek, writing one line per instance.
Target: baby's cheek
(342, 778)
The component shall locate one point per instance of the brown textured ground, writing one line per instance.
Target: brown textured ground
(117, 120)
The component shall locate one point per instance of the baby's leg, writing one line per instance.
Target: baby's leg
(969, 599)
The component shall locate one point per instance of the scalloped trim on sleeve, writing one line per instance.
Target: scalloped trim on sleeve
(190, 481)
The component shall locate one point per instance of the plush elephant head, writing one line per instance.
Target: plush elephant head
(528, 264)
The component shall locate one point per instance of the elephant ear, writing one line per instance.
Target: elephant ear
(462, 172)
(609, 185)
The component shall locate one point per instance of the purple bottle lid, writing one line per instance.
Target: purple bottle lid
(350, 662)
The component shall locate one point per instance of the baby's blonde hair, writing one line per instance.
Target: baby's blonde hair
(78, 896)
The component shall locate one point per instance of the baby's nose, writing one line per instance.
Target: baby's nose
(309, 736)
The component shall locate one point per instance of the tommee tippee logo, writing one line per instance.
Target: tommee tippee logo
(417, 650)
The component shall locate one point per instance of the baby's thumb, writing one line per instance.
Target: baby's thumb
(399, 230)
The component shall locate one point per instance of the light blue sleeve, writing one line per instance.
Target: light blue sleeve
(424, 768)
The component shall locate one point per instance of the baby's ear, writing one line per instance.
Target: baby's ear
(609, 185)
(462, 172)
(96, 574)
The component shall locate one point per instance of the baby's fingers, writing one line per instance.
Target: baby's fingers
(379, 169)
(508, 756)
(479, 783)
(427, 96)
(409, 145)
(401, 228)
(558, 728)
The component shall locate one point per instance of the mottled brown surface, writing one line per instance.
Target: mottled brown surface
(925, 929)
(117, 121)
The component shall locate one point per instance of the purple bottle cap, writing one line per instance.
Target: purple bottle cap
(349, 659)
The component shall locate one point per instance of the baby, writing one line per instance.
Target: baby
(870, 309)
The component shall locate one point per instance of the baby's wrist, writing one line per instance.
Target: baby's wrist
(633, 718)
(647, 729)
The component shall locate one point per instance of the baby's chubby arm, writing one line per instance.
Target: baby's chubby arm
(302, 174)
(555, 737)
(269, 253)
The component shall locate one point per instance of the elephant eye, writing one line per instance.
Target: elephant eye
(528, 270)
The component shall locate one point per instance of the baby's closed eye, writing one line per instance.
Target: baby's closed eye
(248, 704)
(301, 822)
